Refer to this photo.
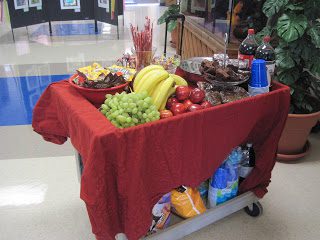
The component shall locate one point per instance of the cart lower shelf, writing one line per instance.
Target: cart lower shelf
(247, 201)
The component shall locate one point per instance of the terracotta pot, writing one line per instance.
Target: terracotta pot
(174, 38)
(293, 141)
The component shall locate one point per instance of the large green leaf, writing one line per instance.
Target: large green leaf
(290, 27)
(312, 9)
(315, 66)
(307, 50)
(162, 19)
(289, 76)
(264, 32)
(295, 6)
(172, 10)
(271, 7)
(304, 99)
(282, 44)
(314, 33)
(284, 59)
(172, 25)
(303, 105)
(296, 49)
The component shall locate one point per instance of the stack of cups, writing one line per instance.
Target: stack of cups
(217, 188)
(259, 81)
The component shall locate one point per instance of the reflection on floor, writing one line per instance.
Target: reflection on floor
(66, 29)
(19, 96)
(35, 49)
(39, 200)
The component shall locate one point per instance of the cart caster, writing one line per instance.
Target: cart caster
(254, 210)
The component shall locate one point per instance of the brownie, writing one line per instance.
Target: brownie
(213, 71)
(214, 97)
(232, 95)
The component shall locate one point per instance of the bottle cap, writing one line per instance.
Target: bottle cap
(266, 39)
(249, 144)
(250, 31)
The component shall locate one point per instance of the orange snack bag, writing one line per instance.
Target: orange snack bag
(187, 202)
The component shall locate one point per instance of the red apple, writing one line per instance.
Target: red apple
(187, 103)
(206, 104)
(178, 108)
(194, 107)
(182, 92)
(197, 95)
(171, 101)
(165, 114)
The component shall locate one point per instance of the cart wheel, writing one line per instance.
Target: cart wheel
(255, 210)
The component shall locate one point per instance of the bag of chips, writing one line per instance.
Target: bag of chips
(161, 214)
(187, 202)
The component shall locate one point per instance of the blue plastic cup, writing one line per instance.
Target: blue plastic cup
(259, 78)
(219, 179)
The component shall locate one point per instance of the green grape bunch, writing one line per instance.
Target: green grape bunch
(129, 109)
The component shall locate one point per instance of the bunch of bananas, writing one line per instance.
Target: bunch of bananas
(158, 83)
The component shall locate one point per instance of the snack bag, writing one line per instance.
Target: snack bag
(203, 190)
(127, 73)
(187, 202)
(161, 214)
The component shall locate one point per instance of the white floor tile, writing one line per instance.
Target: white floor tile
(22, 142)
(39, 199)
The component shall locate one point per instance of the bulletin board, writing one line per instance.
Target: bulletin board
(21, 14)
(59, 10)
(29, 12)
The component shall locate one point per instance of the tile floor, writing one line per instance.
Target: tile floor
(39, 188)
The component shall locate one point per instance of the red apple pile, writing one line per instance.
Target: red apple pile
(187, 100)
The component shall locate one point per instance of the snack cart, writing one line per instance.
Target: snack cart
(126, 171)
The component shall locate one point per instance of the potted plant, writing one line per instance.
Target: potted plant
(172, 25)
(294, 26)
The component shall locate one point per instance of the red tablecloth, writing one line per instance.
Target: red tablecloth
(126, 171)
